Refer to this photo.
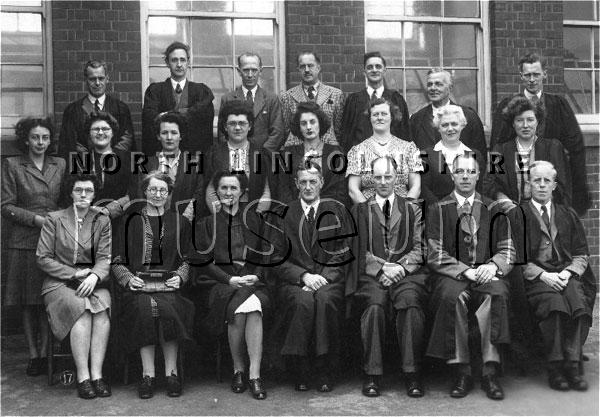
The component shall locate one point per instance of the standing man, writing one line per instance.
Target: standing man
(559, 123)
(73, 136)
(470, 253)
(424, 135)
(268, 119)
(356, 124)
(388, 279)
(176, 93)
(329, 98)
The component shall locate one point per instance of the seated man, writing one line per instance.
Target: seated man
(557, 278)
(389, 274)
(470, 252)
(311, 249)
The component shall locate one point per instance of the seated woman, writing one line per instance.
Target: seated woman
(238, 154)
(153, 311)
(436, 181)
(239, 299)
(512, 183)
(74, 251)
(310, 124)
(361, 184)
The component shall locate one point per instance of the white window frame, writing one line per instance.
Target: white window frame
(482, 46)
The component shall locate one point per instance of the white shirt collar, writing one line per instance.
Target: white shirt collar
(379, 91)
(163, 160)
(538, 206)
(306, 207)
(181, 83)
(450, 154)
(381, 201)
(245, 91)
(461, 200)
(529, 95)
(315, 86)
(101, 99)
(436, 110)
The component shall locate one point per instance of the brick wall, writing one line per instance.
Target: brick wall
(591, 221)
(335, 30)
(106, 30)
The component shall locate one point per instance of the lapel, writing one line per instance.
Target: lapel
(538, 218)
(478, 211)
(168, 92)
(69, 223)
(51, 169)
(323, 94)
(553, 224)
(87, 107)
(259, 101)
(427, 125)
(297, 93)
(395, 215)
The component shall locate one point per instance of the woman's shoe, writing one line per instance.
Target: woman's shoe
(238, 382)
(146, 387)
(101, 387)
(85, 390)
(173, 386)
(257, 389)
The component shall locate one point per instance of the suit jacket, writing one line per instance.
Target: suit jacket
(505, 154)
(58, 247)
(200, 114)
(559, 123)
(27, 192)
(424, 135)
(327, 253)
(268, 118)
(356, 123)
(331, 101)
(74, 138)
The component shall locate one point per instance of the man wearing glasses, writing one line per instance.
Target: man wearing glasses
(73, 134)
(311, 88)
(268, 119)
(559, 123)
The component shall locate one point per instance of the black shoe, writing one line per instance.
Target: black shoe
(557, 381)
(492, 388)
(575, 380)
(34, 367)
(257, 389)
(173, 386)
(238, 382)
(462, 385)
(101, 387)
(85, 390)
(324, 384)
(301, 386)
(146, 387)
(414, 387)
(370, 386)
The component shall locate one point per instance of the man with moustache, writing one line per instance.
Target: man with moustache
(268, 118)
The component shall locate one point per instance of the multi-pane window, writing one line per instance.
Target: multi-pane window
(24, 65)
(415, 36)
(217, 32)
(581, 60)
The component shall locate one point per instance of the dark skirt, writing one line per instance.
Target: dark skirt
(24, 281)
(139, 326)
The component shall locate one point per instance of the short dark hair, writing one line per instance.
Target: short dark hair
(249, 55)
(394, 109)
(157, 175)
(236, 107)
(176, 45)
(307, 165)
(374, 54)
(302, 53)
(520, 104)
(309, 107)
(24, 126)
(94, 63)
(171, 117)
(242, 179)
(531, 58)
(70, 180)
(107, 117)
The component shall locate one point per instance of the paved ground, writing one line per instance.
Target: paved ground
(525, 395)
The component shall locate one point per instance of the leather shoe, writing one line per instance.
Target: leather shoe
(575, 380)
(257, 389)
(301, 386)
(85, 390)
(414, 388)
(370, 386)
(173, 385)
(324, 384)
(492, 388)
(101, 387)
(557, 381)
(238, 382)
(462, 385)
(146, 387)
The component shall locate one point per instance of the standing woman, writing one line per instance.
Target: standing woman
(74, 251)
(151, 241)
(30, 189)
(361, 184)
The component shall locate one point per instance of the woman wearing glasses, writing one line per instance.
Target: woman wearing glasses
(150, 268)
(239, 155)
(74, 251)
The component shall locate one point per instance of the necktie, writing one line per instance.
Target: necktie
(178, 89)
(534, 100)
(249, 97)
(311, 215)
(97, 106)
(467, 224)
(374, 95)
(311, 92)
(386, 209)
(386, 213)
(545, 217)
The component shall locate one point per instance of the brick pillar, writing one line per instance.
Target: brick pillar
(335, 30)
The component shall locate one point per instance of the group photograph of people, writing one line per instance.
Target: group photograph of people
(300, 239)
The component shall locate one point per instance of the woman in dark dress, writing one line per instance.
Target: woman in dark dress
(230, 251)
(154, 312)
(31, 186)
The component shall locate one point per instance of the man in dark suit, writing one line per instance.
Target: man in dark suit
(178, 94)
(311, 248)
(268, 119)
(388, 279)
(424, 135)
(73, 136)
(559, 123)
(356, 123)
(470, 253)
(560, 286)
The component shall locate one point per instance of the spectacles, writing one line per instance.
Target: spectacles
(236, 124)
(100, 129)
(79, 190)
(156, 191)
